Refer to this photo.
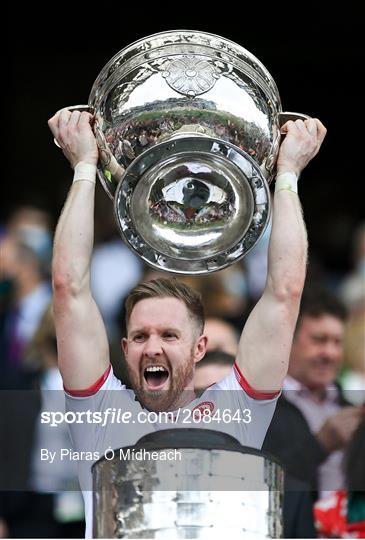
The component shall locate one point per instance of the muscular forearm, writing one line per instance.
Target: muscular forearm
(288, 247)
(288, 243)
(74, 239)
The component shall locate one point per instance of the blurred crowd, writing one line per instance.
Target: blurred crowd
(318, 431)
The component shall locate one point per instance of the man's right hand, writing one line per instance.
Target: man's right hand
(337, 431)
(73, 132)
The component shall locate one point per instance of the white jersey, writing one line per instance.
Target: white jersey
(229, 406)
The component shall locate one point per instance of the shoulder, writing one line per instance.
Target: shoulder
(235, 380)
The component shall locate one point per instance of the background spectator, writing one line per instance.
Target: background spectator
(312, 408)
(26, 250)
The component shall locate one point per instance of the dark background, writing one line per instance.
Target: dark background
(311, 50)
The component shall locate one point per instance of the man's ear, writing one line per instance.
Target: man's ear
(200, 348)
(124, 344)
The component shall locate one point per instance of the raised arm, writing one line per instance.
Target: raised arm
(266, 339)
(83, 352)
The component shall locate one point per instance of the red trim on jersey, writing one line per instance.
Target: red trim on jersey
(248, 389)
(93, 389)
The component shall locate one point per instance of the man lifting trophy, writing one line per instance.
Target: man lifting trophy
(185, 131)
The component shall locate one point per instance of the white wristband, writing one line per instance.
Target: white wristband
(287, 181)
(85, 171)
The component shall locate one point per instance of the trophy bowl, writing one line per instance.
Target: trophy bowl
(188, 128)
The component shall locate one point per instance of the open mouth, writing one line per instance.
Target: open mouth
(155, 377)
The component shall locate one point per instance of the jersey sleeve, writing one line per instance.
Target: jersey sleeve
(250, 412)
(106, 382)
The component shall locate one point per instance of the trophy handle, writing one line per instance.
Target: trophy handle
(285, 116)
(80, 108)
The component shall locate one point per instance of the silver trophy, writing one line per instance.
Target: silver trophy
(188, 127)
(211, 488)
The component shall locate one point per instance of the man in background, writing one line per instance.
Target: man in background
(313, 423)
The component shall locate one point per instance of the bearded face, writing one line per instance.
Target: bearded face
(160, 386)
(161, 351)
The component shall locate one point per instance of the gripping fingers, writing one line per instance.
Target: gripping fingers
(286, 127)
(86, 119)
(62, 125)
(300, 125)
(321, 130)
(63, 118)
(74, 119)
(53, 124)
(317, 130)
(311, 126)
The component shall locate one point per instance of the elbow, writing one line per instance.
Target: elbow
(288, 289)
(65, 284)
(63, 288)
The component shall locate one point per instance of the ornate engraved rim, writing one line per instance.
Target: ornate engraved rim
(145, 48)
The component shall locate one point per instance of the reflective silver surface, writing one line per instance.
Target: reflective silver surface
(188, 126)
(210, 494)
